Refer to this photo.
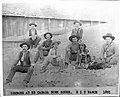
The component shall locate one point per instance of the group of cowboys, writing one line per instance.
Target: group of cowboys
(50, 51)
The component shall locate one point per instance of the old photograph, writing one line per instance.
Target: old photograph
(60, 48)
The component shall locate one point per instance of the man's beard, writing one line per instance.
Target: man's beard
(24, 50)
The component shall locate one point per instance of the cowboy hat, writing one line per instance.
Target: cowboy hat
(73, 36)
(49, 34)
(109, 35)
(25, 43)
(33, 24)
(77, 22)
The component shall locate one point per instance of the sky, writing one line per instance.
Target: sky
(78, 9)
(95, 10)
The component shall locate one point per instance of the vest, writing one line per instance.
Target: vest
(30, 33)
(27, 59)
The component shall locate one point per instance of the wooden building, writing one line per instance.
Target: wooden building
(18, 25)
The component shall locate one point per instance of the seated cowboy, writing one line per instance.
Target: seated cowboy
(84, 57)
(77, 30)
(109, 54)
(26, 66)
(109, 51)
(33, 36)
(54, 57)
(44, 49)
(72, 49)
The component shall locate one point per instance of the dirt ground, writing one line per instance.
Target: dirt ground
(51, 78)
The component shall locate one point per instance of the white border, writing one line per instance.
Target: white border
(1, 69)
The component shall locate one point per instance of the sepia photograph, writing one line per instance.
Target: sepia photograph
(60, 47)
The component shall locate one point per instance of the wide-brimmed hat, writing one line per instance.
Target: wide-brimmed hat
(33, 24)
(73, 36)
(109, 35)
(77, 22)
(58, 42)
(49, 34)
(25, 43)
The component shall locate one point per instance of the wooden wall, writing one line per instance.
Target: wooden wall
(18, 25)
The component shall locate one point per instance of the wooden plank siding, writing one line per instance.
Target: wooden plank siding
(18, 25)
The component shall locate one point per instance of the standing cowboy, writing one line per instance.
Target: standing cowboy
(77, 30)
(109, 52)
(33, 35)
(44, 49)
(54, 57)
(26, 66)
(72, 49)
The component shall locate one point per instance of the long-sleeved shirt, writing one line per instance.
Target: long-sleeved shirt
(78, 32)
(109, 50)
